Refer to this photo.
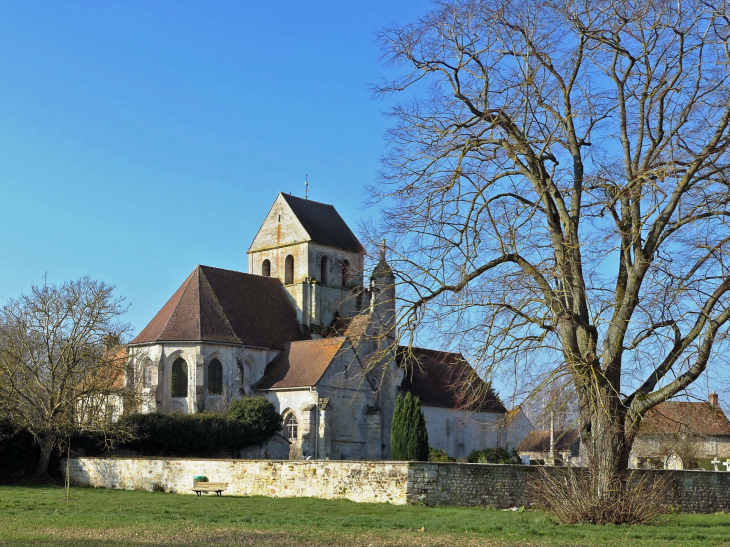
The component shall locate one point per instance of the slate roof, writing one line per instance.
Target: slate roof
(301, 364)
(323, 224)
(672, 417)
(216, 305)
(445, 379)
(539, 441)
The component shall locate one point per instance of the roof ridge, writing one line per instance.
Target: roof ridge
(217, 301)
(318, 339)
(185, 285)
(309, 200)
(433, 350)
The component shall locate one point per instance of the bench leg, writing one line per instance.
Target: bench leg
(198, 493)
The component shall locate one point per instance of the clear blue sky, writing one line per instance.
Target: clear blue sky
(138, 139)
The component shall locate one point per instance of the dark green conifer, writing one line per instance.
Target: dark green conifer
(409, 437)
(397, 436)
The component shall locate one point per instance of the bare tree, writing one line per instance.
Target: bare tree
(555, 190)
(60, 369)
(553, 404)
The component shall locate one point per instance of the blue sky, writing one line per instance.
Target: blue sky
(138, 139)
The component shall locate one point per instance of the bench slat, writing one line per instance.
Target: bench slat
(216, 487)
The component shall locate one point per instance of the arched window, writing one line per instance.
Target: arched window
(291, 427)
(324, 270)
(147, 380)
(215, 377)
(266, 268)
(345, 272)
(289, 270)
(179, 378)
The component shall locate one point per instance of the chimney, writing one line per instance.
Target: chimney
(714, 400)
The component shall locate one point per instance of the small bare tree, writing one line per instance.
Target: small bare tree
(61, 371)
(557, 191)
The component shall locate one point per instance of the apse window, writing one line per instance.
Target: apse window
(215, 378)
(291, 427)
(179, 378)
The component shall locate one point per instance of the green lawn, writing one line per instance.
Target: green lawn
(38, 515)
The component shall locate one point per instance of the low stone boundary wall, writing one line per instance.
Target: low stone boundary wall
(362, 481)
(368, 481)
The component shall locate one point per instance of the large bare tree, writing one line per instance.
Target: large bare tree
(62, 369)
(556, 189)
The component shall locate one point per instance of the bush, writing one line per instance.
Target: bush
(184, 435)
(490, 455)
(19, 452)
(572, 496)
(438, 455)
(258, 415)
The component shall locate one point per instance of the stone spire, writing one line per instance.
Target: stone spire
(382, 269)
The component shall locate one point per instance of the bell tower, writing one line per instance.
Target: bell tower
(311, 250)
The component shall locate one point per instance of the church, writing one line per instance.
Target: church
(308, 332)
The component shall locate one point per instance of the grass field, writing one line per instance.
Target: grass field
(39, 516)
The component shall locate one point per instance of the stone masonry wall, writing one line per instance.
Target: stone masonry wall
(498, 486)
(361, 481)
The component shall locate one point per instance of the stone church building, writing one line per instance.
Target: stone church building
(308, 332)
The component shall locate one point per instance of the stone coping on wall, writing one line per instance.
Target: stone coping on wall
(396, 482)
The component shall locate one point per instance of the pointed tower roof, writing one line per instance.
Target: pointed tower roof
(382, 268)
(215, 305)
(321, 224)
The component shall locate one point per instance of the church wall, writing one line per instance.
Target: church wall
(235, 360)
(277, 258)
(515, 430)
(362, 406)
(280, 227)
(334, 271)
(458, 432)
(297, 401)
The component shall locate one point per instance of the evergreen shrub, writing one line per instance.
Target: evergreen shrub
(259, 416)
(491, 455)
(409, 436)
(247, 422)
(439, 455)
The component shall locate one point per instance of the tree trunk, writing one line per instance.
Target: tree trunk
(608, 453)
(46, 448)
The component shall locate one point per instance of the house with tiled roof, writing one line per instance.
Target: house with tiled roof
(304, 330)
(561, 446)
(682, 434)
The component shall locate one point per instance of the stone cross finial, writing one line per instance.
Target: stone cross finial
(726, 463)
(715, 464)
(382, 250)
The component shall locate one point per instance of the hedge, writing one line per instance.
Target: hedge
(19, 452)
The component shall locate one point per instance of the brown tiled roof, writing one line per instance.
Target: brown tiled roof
(323, 224)
(215, 305)
(441, 378)
(354, 327)
(672, 417)
(539, 441)
(301, 364)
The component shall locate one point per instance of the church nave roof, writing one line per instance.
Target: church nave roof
(216, 305)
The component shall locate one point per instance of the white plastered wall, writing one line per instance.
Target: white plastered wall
(458, 432)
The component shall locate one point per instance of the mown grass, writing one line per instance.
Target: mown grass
(38, 515)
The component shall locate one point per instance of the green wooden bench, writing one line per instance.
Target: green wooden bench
(199, 487)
